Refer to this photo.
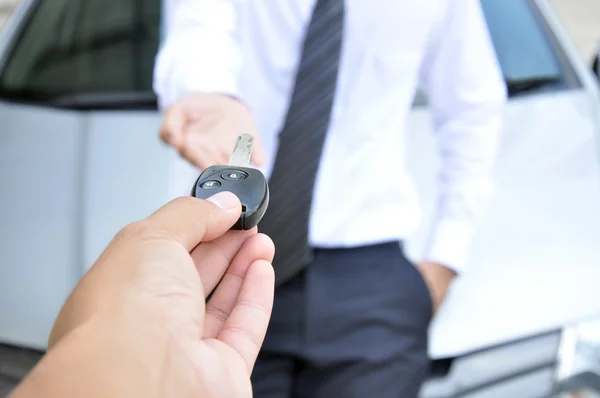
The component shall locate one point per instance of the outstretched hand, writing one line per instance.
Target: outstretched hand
(137, 323)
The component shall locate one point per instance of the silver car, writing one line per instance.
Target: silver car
(80, 158)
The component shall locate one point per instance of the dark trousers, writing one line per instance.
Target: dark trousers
(353, 324)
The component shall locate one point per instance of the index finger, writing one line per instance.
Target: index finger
(191, 220)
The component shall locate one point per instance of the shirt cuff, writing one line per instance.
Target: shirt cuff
(449, 244)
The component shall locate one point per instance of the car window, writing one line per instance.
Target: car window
(80, 47)
(108, 46)
(522, 46)
(526, 52)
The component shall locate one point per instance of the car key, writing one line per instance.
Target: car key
(248, 184)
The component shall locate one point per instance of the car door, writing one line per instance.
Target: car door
(79, 153)
(534, 263)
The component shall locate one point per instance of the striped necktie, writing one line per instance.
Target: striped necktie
(301, 140)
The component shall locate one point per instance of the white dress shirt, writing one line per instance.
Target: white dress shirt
(364, 193)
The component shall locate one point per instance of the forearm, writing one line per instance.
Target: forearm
(96, 361)
(469, 145)
(467, 95)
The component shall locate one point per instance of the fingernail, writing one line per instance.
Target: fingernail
(225, 200)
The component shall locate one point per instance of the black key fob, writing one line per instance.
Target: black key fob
(248, 184)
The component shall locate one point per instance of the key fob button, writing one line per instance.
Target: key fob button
(247, 183)
(234, 175)
(210, 184)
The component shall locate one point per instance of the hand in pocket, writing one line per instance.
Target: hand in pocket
(438, 279)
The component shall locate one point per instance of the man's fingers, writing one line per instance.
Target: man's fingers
(218, 309)
(258, 154)
(191, 221)
(257, 158)
(172, 130)
(202, 150)
(245, 329)
(195, 155)
(213, 258)
(178, 116)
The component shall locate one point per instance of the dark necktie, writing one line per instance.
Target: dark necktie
(301, 141)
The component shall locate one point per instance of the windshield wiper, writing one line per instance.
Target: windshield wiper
(517, 86)
(140, 100)
(110, 100)
(26, 95)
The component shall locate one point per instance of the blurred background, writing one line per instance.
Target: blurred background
(582, 20)
(532, 312)
(6, 8)
(580, 17)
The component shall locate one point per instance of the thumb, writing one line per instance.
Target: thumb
(191, 221)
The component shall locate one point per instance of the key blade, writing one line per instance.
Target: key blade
(242, 151)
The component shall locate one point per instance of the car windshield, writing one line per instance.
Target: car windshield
(86, 49)
(521, 44)
(80, 47)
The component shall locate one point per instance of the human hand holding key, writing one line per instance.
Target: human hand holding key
(247, 183)
(143, 305)
(202, 127)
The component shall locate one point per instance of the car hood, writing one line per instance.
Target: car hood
(535, 263)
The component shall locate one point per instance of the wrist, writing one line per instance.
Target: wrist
(100, 358)
(236, 99)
